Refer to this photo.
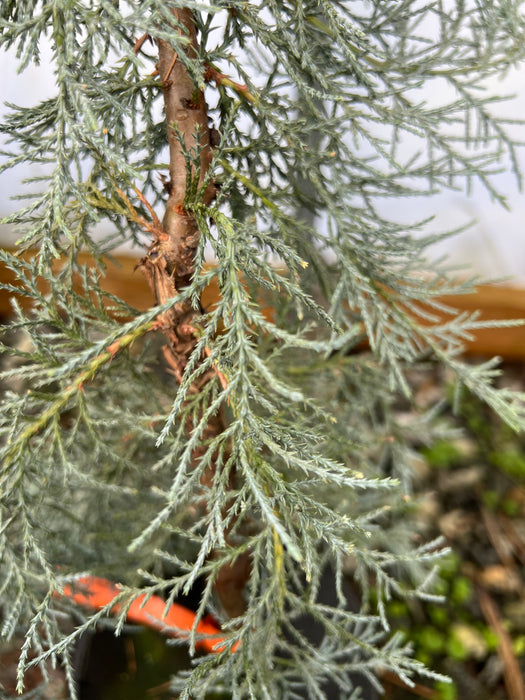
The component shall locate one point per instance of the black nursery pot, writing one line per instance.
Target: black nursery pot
(136, 665)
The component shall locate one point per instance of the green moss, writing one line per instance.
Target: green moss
(461, 590)
(432, 640)
(475, 415)
(510, 461)
(491, 499)
(518, 645)
(446, 691)
(397, 608)
(424, 657)
(449, 566)
(510, 507)
(491, 638)
(442, 454)
(438, 615)
(455, 649)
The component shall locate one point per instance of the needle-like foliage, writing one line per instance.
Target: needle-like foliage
(114, 467)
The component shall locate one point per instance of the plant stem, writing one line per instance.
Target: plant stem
(169, 263)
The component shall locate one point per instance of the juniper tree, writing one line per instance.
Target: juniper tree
(252, 446)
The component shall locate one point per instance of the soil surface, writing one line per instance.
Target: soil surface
(471, 490)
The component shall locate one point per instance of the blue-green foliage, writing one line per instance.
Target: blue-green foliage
(98, 470)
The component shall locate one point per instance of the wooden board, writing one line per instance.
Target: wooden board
(123, 279)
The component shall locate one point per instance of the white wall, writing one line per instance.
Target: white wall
(36, 83)
(494, 247)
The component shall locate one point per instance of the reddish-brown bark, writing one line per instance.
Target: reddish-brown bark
(170, 261)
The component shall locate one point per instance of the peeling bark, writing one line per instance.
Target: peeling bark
(186, 113)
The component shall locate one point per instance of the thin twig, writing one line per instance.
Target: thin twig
(511, 669)
(139, 42)
(212, 73)
(155, 227)
(173, 62)
(518, 545)
(154, 217)
(500, 543)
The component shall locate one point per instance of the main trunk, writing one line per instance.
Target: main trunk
(169, 264)
(170, 261)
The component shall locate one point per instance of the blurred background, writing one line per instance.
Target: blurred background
(493, 247)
